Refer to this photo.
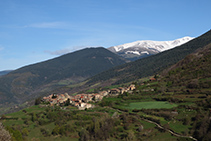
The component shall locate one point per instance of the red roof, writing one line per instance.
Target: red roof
(152, 78)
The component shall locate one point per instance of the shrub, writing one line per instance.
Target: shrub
(45, 132)
(120, 129)
(25, 132)
(38, 101)
(56, 130)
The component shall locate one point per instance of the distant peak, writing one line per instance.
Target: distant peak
(150, 44)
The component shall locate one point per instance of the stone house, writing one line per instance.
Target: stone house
(103, 93)
(122, 90)
(131, 87)
(114, 91)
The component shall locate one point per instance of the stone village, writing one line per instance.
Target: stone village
(81, 101)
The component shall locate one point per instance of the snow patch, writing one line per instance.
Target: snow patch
(132, 52)
(144, 52)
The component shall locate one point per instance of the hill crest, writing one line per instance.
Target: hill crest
(153, 64)
(31, 81)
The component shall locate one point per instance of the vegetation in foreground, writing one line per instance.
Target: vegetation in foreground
(123, 117)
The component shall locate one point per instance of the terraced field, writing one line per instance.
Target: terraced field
(150, 105)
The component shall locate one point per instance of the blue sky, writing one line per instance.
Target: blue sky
(36, 30)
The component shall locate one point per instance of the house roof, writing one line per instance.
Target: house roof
(152, 78)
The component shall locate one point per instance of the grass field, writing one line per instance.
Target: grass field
(179, 127)
(150, 105)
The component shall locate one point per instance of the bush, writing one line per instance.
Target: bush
(45, 132)
(25, 132)
(84, 136)
(120, 129)
(16, 134)
(43, 121)
(38, 101)
(56, 130)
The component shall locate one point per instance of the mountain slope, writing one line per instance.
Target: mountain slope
(153, 64)
(141, 49)
(32, 80)
(194, 71)
(190, 80)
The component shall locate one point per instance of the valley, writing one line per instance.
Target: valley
(162, 97)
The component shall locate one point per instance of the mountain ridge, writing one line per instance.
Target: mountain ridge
(36, 79)
(153, 64)
(4, 72)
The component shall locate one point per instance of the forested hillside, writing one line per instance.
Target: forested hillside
(193, 72)
(30, 81)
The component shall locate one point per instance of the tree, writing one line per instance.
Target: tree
(156, 76)
(34, 117)
(16, 134)
(4, 134)
(56, 130)
(84, 136)
(67, 103)
(45, 132)
(38, 101)
(186, 121)
(3, 117)
(131, 136)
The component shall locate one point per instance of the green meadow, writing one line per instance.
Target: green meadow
(151, 105)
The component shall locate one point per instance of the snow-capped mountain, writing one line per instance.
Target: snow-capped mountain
(140, 49)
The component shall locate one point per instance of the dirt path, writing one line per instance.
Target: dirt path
(170, 131)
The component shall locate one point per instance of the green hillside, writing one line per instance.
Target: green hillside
(170, 107)
(36, 79)
(193, 72)
(151, 65)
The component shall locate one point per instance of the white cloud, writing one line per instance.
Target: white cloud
(15, 62)
(58, 52)
(65, 50)
(48, 25)
(1, 47)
